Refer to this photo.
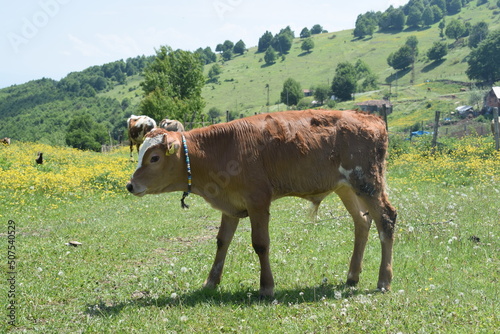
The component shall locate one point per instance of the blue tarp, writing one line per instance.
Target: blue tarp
(420, 133)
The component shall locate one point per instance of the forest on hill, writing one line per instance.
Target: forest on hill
(245, 80)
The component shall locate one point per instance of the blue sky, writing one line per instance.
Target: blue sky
(51, 38)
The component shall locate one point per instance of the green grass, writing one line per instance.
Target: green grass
(143, 261)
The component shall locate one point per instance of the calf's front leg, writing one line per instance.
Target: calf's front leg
(226, 232)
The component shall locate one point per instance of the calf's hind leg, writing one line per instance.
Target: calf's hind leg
(385, 216)
(362, 222)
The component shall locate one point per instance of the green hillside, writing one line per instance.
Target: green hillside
(42, 109)
(242, 84)
(244, 78)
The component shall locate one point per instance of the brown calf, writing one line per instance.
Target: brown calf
(137, 127)
(5, 141)
(242, 166)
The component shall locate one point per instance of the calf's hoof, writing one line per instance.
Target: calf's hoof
(384, 286)
(351, 282)
(266, 293)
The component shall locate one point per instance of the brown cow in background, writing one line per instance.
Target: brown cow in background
(240, 167)
(171, 125)
(137, 127)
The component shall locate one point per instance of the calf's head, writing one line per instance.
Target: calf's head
(158, 167)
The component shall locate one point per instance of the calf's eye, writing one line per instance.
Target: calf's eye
(154, 158)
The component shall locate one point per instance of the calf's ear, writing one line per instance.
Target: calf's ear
(170, 149)
(172, 146)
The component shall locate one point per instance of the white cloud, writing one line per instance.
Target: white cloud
(84, 48)
(119, 45)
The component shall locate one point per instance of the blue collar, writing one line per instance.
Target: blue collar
(188, 163)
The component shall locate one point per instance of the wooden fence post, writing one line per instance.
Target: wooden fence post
(384, 116)
(496, 127)
(436, 128)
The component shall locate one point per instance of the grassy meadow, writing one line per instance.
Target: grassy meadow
(143, 260)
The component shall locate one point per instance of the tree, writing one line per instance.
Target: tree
(370, 82)
(441, 26)
(476, 97)
(454, 7)
(484, 62)
(282, 42)
(227, 54)
(344, 81)
(125, 103)
(398, 19)
(455, 29)
(441, 4)
(172, 85)
(270, 56)
(414, 18)
(206, 55)
(228, 45)
(85, 133)
(305, 33)
(437, 13)
(307, 44)
(316, 29)
(321, 93)
(364, 73)
(405, 56)
(438, 51)
(214, 72)
(362, 69)
(291, 93)
(428, 16)
(478, 33)
(265, 41)
(214, 113)
(240, 47)
(412, 42)
(365, 25)
(401, 59)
